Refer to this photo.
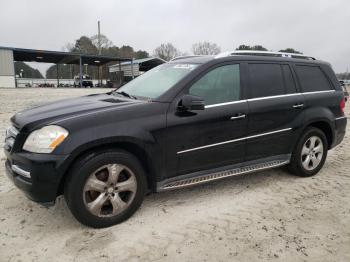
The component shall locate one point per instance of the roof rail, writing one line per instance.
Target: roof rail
(264, 53)
(184, 57)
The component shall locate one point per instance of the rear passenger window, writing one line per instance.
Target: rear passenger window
(289, 83)
(312, 79)
(265, 80)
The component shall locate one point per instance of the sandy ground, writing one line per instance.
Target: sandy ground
(265, 216)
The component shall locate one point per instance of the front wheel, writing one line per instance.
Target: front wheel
(105, 189)
(309, 154)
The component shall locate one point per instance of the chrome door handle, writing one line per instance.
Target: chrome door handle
(238, 117)
(298, 106)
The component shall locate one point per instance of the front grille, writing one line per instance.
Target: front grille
(10, 137)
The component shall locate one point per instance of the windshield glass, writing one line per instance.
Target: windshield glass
(157, 81)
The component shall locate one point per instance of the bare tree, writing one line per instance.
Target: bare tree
(166, 51)
(205, 48)
(105, 42)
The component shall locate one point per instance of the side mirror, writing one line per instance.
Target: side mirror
(191, 102)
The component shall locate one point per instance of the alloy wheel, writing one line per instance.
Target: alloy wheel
(109, 190)
(312, 153)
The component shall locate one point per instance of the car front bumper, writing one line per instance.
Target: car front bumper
(37, 175)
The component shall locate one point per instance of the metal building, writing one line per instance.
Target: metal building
(8, 55)
(7, 69)
(128, 70)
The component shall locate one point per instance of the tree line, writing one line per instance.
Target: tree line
(343, 76)
(92, 46)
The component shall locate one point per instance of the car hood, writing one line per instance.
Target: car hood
(56, 111)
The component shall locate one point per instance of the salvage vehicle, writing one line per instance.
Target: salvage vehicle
(86, 81)
(185, 122)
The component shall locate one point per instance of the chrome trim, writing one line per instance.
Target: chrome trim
(11, 132)
(342, 117)
(298, 106)
(237, 117)
(20, 171)
(10, 141)
(226, 103)
(318, 92)
(234, 140)
(269, 97)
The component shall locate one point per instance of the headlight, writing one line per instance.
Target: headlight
(45, 140)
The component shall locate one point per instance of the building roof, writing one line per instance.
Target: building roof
(58, 57)
(145, 60)
(144, 64)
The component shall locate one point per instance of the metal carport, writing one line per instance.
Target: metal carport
(57, 57)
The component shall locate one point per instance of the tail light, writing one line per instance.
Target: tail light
(342, 105)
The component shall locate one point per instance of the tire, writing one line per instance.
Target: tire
(299, 165)
(92, 198)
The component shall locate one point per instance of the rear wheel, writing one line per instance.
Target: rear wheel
(310, 153)
(105, 189)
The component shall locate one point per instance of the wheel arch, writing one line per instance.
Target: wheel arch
(326, 128)
(138, 151)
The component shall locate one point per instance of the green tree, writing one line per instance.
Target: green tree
(141, 54)
(27, 71)
(64, 71)
(89, 45)
(259, 48)
(244, 47)
(126, 51)
(290, 50)
(84, 45)
(254, 47)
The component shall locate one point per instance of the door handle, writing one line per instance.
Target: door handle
(238, 116)
(301, 105)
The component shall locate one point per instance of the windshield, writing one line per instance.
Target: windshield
(157, 81)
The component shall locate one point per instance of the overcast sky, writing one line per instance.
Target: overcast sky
(318, 28)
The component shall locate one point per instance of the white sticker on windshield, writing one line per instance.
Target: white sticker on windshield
(185, 66)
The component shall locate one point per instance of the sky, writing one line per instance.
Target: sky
(318, 28)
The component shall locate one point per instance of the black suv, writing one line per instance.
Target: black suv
(186, 122)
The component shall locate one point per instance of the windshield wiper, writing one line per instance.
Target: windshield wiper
(125, 94)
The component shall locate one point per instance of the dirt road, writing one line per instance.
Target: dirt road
(265, 216)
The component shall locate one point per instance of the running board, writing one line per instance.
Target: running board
(222, 174)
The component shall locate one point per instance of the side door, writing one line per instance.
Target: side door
(209, 138)
(275, 110)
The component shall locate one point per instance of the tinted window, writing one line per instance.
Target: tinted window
(312, 79)
(265, 80)
(220, 85)
(288, 79)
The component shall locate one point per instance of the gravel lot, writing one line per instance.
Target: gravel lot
(269, 215)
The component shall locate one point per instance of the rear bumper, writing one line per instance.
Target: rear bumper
(37, 175)
(340, 129)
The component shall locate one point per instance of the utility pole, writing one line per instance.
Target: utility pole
(99, 52)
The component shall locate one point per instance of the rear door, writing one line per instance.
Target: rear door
(275, 110)
(317, 89)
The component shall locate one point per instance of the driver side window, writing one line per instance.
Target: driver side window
(220, 85)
